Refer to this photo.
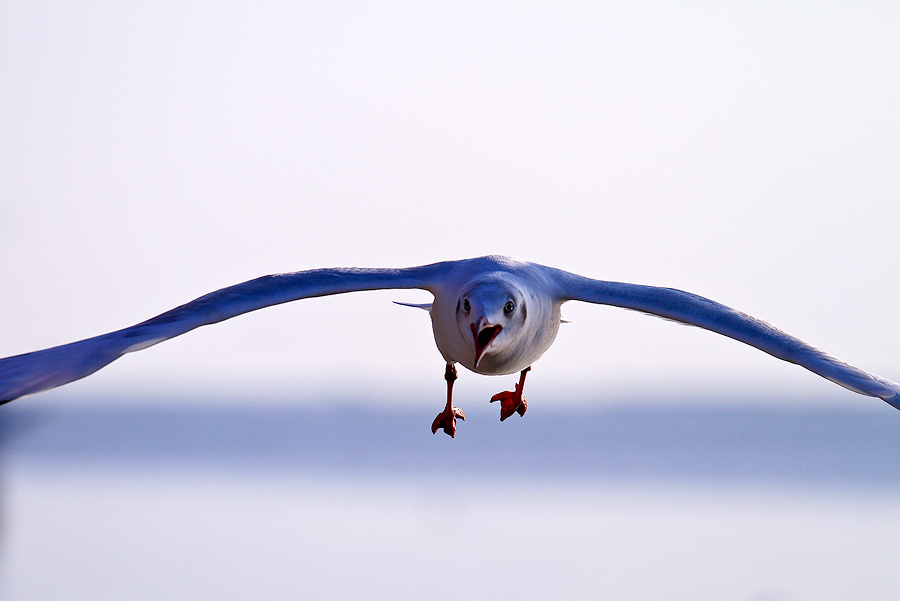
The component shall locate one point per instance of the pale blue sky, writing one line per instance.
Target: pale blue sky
(153, 153)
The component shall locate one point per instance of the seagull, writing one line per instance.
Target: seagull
(494, 315)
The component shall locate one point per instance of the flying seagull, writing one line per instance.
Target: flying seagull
(494, 315)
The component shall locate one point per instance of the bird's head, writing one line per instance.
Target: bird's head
(491, 314)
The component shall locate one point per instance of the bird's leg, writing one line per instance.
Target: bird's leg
(512, 402)
(446, 419)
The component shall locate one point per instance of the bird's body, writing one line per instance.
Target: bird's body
(494, 315)
(490, 282)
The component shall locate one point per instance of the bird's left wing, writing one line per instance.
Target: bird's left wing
(696, 310)
(41, 370)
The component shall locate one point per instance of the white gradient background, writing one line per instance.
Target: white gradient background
(745, 152)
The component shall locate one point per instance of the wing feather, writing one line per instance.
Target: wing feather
(42, 370)
(696, 310)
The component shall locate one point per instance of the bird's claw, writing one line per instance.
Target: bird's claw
(511, 402)
(446, 421)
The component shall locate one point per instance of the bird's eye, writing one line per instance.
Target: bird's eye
(509, 307)
(466, 305)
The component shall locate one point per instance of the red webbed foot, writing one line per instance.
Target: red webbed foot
(512, 401)
(446, 421)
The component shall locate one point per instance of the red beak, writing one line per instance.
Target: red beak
(484, 335)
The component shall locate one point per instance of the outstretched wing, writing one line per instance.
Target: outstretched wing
(41, 370)
(699, 311)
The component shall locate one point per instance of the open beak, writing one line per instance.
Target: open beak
(484, 334)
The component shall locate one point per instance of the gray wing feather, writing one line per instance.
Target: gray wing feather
(42, 370)
(702, 312)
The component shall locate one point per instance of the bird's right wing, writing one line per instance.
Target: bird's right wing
(692, 309)
(42, 370)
